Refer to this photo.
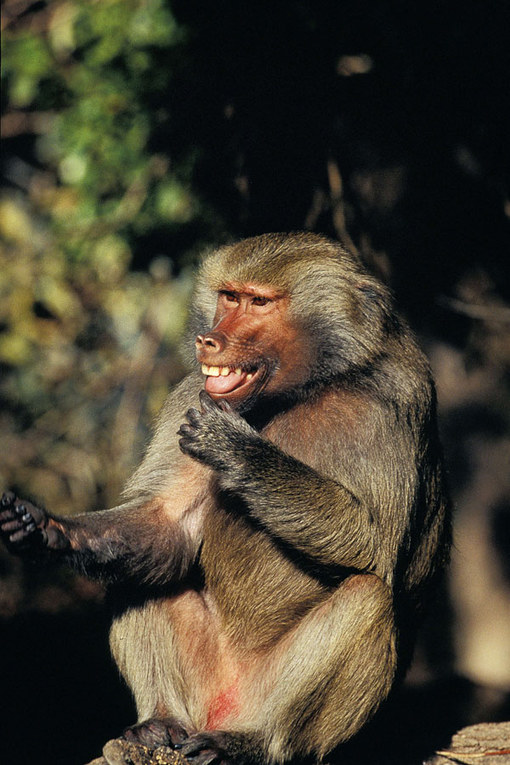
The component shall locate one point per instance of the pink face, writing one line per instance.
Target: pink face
(251, 346)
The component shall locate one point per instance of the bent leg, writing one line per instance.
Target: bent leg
(330, 675)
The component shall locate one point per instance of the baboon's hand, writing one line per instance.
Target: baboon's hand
(27, 528)
(218, 747)
(216, 435)
(22, 524)
(154, 732)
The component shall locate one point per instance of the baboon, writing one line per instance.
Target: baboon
(273, 552)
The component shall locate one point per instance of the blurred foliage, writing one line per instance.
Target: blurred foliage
(84, 80)
(87, 348)
(86, 355)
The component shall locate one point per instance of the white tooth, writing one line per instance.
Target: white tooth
(249, 375)
(205, 369)
(224, 371)
(214, 371)
(238, 371)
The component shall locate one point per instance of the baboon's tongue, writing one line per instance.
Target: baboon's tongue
(224, 384)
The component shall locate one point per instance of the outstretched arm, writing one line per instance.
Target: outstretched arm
(141, 539)
(118, 544)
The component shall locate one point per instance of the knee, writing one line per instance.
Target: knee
(366, 590)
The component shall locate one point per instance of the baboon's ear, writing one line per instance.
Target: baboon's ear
(375, 301)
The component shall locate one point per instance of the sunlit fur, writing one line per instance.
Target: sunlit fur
(270, 561)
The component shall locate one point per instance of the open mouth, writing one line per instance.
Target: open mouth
(222, 380)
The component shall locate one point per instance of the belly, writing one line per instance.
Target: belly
(196, 654)
(258, 592)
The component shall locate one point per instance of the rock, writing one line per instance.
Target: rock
(482, 744)
(121, 752)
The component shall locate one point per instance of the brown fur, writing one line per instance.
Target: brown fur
(269, 567)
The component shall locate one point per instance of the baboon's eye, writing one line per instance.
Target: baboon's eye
(230, 297)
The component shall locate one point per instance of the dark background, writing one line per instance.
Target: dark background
(138, 133)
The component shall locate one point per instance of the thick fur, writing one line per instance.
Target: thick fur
(270, 561)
